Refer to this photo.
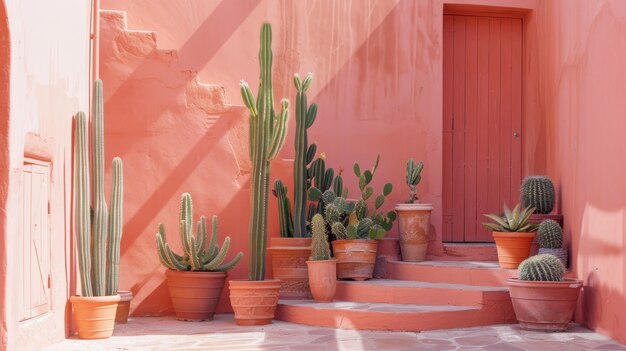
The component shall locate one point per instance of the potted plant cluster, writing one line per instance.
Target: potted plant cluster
(322, 267)
(254, 301)
(542, 298)
(413, 218)
(356, 227)
(196, 278)
(513, 234)
(98, 233)
(550, 238)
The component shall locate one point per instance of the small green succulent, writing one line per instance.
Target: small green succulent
(512, 221)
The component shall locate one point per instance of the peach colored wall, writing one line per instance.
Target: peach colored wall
(5, 66)
(378, 69)
(49, 82)
(583, 93)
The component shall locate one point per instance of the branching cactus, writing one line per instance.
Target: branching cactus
(538, 192)
(550, 235)
(320, 249)
(98, 239)
(268, 130)
(196, 255)
(541, 268)
(413, 177)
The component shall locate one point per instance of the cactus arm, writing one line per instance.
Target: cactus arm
(279, 132)
(299, 167)
(226, 267)
(115, 229)
(194, 260)
(166, 256)
(284, 209)
(83, 220)
(217, 261)
(201, 236)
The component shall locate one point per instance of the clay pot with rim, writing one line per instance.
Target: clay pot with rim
(95, 316)
(544, 305)
(289, 256)
(254, 302)
(355, 258)
(195, 294)
(513, 247)
(123, 307)
(413, 224)
(323, 279)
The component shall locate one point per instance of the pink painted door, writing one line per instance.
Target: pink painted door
(482, 116)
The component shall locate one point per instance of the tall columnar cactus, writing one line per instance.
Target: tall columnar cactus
(541, 268)
(267, 136)
(284, 209)
(550, 235)
(413, 177)
(538, 192)
(98, 239)
(320, 249)
(196, 255)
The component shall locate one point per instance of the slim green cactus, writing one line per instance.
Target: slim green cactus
(544, 267)
(538, 192)
(413, 177)
(98, 240)
(267, 136)
(320, 249)
(550, 235)
(284, 209)
(196, 255)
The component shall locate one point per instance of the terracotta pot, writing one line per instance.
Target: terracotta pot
(195, 294)
(512, 247)
(547, 306)
(413, 224)
(254, 302)
(355, 258)
(388, 250)
(289, 256)
(123, 307)
(323, 279)
(95, 316)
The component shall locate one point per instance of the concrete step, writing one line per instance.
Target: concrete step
(417, 292)
(477, 273)
(383, 316)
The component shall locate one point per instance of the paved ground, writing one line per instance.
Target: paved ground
(166, 333)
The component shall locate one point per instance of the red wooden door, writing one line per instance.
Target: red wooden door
(482, 114)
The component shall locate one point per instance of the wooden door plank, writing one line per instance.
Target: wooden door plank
(458, 161)
(448, 52)
(482, 160)
(516, 107)
(506, 132)
(23, 268)
(471, 107)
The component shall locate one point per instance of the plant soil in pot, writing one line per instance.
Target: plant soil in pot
(254, 301)
(413, 224)
(289, 256)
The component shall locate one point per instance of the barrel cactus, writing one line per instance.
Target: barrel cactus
(550, 235)
(541, 268)
(538, 192)
(268, 130)
(413, 177)
(320, 249)
(98, 234)
(196, 255)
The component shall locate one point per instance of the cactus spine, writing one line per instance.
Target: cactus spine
(197, 256)
(267, 136)
(320, 249)
(550, 235)
(541, 268)
(98, 240)
(538, 192)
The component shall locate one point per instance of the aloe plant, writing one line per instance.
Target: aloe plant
(196, 255)
(512, 221)
(268, 130)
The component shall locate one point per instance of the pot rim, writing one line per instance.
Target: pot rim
(108, 298)
(177, 272)
(354, 240)
(317, 261)
(513, 234)
(572, 283)
(413, 207)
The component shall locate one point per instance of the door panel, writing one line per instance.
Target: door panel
(482, 121)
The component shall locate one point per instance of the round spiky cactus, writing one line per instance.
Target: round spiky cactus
(320, 249)
(538, 192)
(550, 235)
(541, 268)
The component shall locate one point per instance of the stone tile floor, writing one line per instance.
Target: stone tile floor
(166, 333)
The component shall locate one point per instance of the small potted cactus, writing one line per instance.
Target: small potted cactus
(356, 227)
(413, 218)
(513, 234)
(322, 267)
(196, 278)
(542, 298)
(550, 238)
(98, 231)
